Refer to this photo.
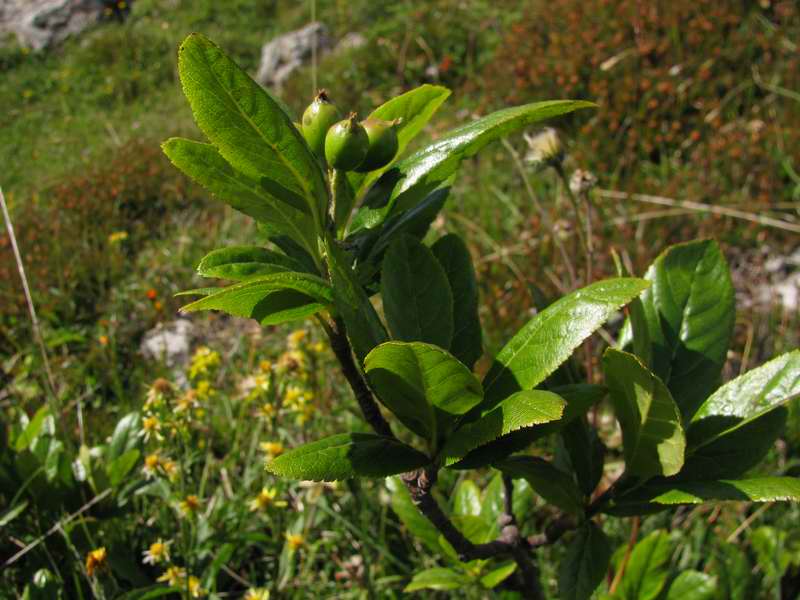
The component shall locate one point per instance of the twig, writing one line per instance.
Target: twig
(369, 408)
(28, 298)
(748, 521)
(631, 543)
(420, 483)
(553, 532)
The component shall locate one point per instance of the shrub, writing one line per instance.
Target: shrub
(78, 237)
(682, 108)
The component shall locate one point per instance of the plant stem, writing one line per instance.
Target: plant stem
(344, 354)
(420, 483)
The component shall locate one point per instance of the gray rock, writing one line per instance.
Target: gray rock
(286, 53)
(351, 41)
(40, 24)
(171, 344)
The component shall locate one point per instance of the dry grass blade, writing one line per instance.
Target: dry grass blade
(701, 207)
(28, 299)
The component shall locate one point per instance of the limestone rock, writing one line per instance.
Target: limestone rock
(286, 53)
(40, 24)
(170, 343)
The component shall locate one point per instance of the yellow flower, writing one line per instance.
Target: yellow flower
(260, 384)
(203, 390)
(170, 469)
(265, 499)
(318, 347)
(189, 505)
(151, 464)
(272, 449)
(296, 338)
(266, 410)
(203, 361)
(157, 392)
(295, 541)
(96, 559)
(257, 594)
(173, 576)
(304, 414)
(293, 360)
(151, 426)
(103, 339)
(186, 402)
(265, 366)
(117, 237)
(194, 587)
(157, 553)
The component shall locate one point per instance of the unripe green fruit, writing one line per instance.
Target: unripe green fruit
(346, 144)
(320, 115)
(383, 144)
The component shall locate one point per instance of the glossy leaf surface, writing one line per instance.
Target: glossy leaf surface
(345, 456)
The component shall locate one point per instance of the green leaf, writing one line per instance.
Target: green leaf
(270, 299)
(409, 515)
(733, 568)
(523, 409)
(746, 398)
(552, 484)
(586, 453)
(204, 164)
(415, 222)
(416, 294)
(580, 398)
(239, 263)
(760, 489)
(585, 563)
(13, 513)
(652, 435)
(648, 568)
(119, 468)
(693, 585)
(497, 576)
(364, 327)
(416, 176)
(423, 385)
(551, 336)
(414, 109)
(453, 254)
(467, 499)
(206, 291)
(125, 436)
(740, 422)
(690, 315)
(438, 578)
(732, 455)
(247, 125)
(32, 430)
(347, 455)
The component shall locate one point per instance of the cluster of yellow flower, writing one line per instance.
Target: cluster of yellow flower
(176, 577)
(157, 464)
(295, 393)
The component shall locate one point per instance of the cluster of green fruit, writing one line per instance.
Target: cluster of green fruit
(348, 145)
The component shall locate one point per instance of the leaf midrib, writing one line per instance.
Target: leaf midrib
(274, 147)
